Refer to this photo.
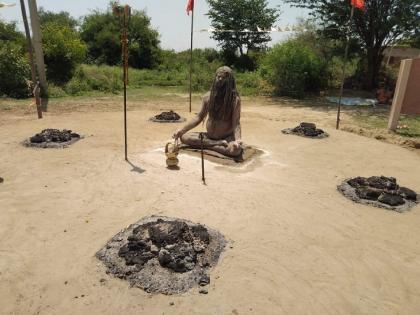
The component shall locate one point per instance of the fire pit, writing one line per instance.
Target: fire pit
(379, 191)
(163, 255)
(52, 138)
(167, 117)
(308, 130)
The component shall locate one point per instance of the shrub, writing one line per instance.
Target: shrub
(294, 69)
(101, 32)
(15, 71)
(63, 51)
(95, 78)
(55, 91)
(249, 83)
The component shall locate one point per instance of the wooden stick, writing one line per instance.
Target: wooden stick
(344, 69)
(191, 56)
(202, 158)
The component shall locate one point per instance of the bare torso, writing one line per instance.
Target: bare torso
(220, 129)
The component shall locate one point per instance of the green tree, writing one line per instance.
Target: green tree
(101, 32)
(380, 24)
(293, 68)
(238, 24)
(14, 69)
(62, 18)
(63, 51)
(9, 33)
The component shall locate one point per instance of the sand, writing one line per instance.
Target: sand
(296, 245)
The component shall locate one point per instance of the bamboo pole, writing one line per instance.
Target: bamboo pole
(191, 55)
(344, 68)
(35, 85)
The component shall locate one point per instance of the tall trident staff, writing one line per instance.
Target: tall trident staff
(124, 13)
(360, 4)
(190, 7)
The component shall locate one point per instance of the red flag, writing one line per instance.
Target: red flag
(360, 4)
(190, 6)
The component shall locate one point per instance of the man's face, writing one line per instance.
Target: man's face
(221, 79)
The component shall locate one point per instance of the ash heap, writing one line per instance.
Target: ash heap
(163, 255)
(52, 138)
(168, 117)
(306, 129)
(379, 191)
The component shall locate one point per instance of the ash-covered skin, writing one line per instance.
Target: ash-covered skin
(52, 138)
(306, 129)
(163, 255)
(379, 191)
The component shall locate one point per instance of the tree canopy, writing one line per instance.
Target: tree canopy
(63, 51)
(62, 18)
(101, 32)
(380, 24)
(238, 24)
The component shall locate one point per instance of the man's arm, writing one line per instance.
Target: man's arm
(195, 121)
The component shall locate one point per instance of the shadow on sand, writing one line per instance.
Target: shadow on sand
(136, 168)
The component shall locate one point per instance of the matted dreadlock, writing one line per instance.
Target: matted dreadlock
(223, 99)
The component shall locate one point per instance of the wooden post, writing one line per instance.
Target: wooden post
(400, 89)
(124, 42)
(35, 86)
(191, 56)
(337, 125)
(37, 43)
(202, 158)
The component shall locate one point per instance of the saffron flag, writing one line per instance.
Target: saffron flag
(360, 4)
(190, 6)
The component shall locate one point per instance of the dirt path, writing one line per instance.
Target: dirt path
(296, 245)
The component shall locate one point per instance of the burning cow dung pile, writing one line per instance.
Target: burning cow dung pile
(306, 130)
(379, 191)
(52, 138)
(163, 255)
(168, 117)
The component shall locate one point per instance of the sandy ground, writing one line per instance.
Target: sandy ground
(296, 245)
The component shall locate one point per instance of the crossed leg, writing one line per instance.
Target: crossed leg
(222, 146)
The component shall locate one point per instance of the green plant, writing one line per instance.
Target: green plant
(293, 69)
(15, 71)
(63, 51)
(101, 32)
(95, 78)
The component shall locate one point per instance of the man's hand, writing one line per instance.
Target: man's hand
(178, 134)
(236, 144)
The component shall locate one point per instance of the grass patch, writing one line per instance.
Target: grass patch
(379, 120)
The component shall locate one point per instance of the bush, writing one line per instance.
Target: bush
(249, 83)
(335, 71)
(101, 32)
(95, 78)
(55, 91)
(294, 69)
(15, 71)
(63, 51)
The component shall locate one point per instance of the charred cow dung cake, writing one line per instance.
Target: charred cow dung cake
(379, 191)
(306, 129)
(52, 138)
(168, 117)
(163, 255)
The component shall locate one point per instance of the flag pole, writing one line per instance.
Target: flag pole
(191, 52)
(124, 45)
(344, 68)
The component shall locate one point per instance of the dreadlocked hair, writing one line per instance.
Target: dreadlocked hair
(222, 100)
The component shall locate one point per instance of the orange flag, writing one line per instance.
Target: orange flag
(360, 4)
(190, 6)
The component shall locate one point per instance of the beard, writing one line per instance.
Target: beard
(221, 86)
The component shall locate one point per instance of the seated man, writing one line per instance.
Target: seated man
(222, 105)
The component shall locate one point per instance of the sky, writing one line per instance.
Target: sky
(167, 16)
